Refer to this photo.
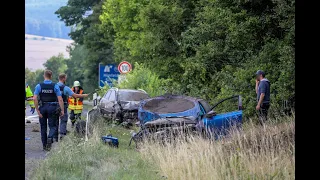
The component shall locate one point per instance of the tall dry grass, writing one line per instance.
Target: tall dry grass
(256, 152)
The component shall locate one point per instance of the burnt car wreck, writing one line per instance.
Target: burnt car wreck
(121, 105)
(164, 116)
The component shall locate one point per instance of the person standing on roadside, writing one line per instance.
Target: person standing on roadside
(263, 95)
(29, 98)
(76, 104)
(66, 92)
(50, 100)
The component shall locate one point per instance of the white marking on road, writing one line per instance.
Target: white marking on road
(34, 118)
(29, 117)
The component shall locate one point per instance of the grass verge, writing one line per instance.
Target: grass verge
(256, 152)
(76, 159)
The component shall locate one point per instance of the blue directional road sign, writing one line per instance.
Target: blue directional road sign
(107, 73)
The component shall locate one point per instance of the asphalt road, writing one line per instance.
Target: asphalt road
(29, 114)
(33, 147)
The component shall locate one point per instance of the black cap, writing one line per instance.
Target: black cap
(260, 72)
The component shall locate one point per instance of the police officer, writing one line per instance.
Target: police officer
(50, 99)
(66, 92)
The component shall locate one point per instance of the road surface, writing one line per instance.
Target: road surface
(33, 147)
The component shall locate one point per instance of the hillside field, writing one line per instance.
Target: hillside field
(38, 49)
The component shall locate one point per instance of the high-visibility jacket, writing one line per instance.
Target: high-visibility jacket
(29, 95)
(75, 103)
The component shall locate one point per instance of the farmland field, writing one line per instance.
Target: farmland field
(39, 49)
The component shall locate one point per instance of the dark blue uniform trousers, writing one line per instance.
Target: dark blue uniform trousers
(63, 123)
(48, 117)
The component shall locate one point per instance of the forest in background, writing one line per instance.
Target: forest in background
(205, 48)
(40, 19)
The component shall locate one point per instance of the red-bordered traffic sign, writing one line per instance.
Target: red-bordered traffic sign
(124, 67)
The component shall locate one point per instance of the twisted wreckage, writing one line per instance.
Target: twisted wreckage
(159, 116)
(171, 113)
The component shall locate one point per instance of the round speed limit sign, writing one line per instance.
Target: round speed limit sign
(124, 67)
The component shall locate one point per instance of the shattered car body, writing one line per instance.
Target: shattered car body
(121, 104)
(158, 115)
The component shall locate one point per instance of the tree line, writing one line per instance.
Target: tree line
(40, 19)
(205, 48)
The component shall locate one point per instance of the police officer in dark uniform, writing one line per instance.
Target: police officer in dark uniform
(50, 101)
(66, 92)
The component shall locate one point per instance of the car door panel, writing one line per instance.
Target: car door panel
(224, 119)
(222, 122)
(103, 101)
(110, 102)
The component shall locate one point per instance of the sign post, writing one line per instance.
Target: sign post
(95, 99)
(107, 73)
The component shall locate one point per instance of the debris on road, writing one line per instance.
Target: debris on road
(35, 129)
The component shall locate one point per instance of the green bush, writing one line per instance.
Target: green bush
(104, 89)
(143, 78)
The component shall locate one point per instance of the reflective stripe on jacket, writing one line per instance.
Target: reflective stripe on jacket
(75, 103)
(29, 96)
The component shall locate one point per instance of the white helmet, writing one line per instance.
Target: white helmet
(76, 83)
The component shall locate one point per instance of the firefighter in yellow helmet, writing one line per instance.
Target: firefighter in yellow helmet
(29, 98)
(75, 104)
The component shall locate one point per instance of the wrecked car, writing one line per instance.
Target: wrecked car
(121, 104)
(160, 115)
